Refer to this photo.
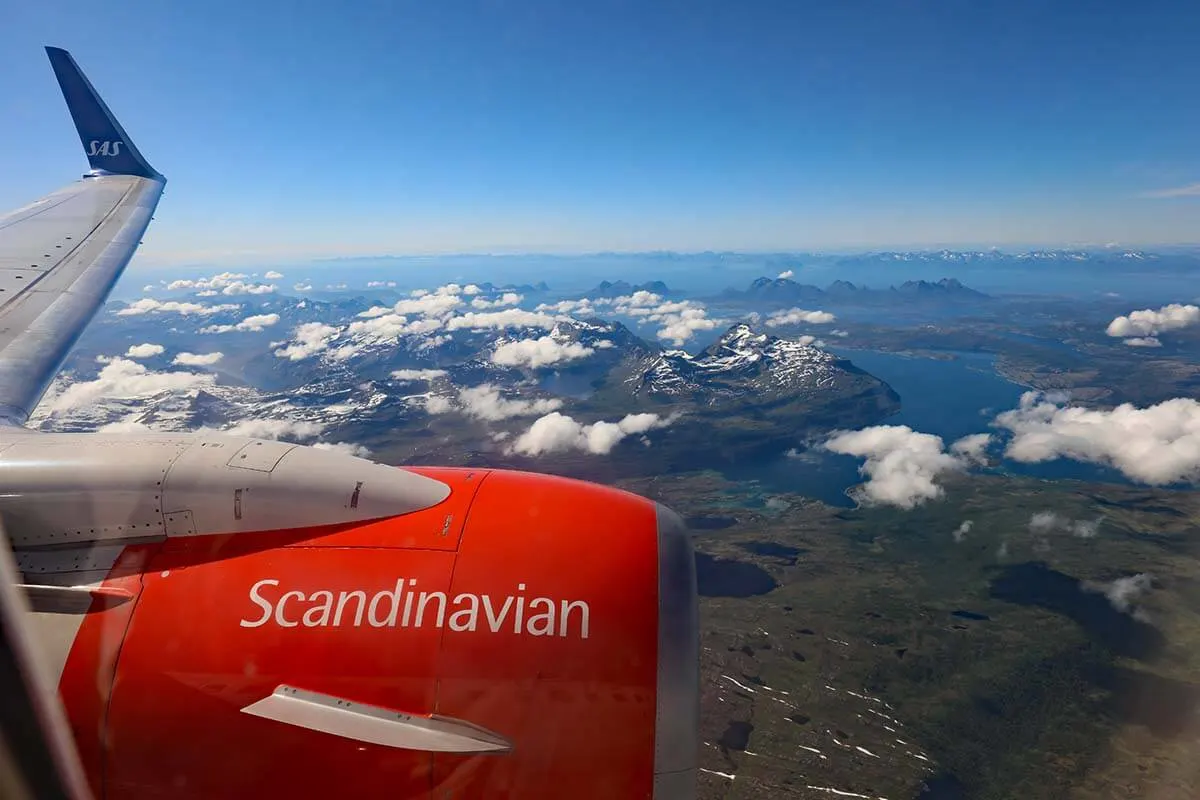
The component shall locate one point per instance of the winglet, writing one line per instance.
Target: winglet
(105, 142)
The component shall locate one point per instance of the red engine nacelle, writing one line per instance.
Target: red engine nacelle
(529, 636)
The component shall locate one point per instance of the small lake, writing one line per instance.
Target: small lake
(950, 398)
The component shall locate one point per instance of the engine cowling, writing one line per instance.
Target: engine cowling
(525, 636)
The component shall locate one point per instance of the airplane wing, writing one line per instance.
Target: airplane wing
(59, 259)
(61, 255)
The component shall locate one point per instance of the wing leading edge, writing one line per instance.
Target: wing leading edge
(60, 256)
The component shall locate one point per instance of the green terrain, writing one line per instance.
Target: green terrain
(993, 667)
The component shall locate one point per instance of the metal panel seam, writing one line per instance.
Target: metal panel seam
(137, 601)
(437, 679)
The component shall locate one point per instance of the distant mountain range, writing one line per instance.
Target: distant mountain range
(997, 256)
(786, 290)
(523, 288)
(624, 289)
(767, 392)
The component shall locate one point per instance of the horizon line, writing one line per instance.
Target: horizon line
(1006, 250)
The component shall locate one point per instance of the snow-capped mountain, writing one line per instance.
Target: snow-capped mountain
(742, 364)
(603, 336)
(182, 402)
(969, 257)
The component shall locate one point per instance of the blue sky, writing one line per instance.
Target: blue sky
(291, 130)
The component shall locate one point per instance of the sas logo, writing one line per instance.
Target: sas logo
(99, 148)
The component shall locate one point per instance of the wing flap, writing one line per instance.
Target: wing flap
(51, 599)
(375, 725)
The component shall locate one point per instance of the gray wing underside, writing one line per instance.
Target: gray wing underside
(59, 259)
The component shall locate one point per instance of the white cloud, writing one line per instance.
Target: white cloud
(541, 352)
(125, 379)
(1142, 341)
(275, 429)
(129, 424)
(437, 404)
(506, 299)
(228, 283)
(785, 275)
(272, 275)
(387, 327)
(149, 287)
(973, 448)
(254, 323)
(381, 284)
(485, 402)
(382, 324)
(417, 374)
(583, 308)
(215, 282)
(310, 339)
(681, 327)
(148, 305)
(840, 334)
(1157, 445)
(639, 299)
(237, 287)
(798, 316)
(431, 305)
(1044, 522)
(960, 533)
(498, 320)
(1150, 322)
(902, 465)
(335, 286)
(146, 350)
(1050, 521)
(1124, 591)
(197, 359)
(556, 433)
(345, 448)
(679, 320)
(303, 286)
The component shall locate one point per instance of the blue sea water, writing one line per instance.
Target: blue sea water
(948, 398)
